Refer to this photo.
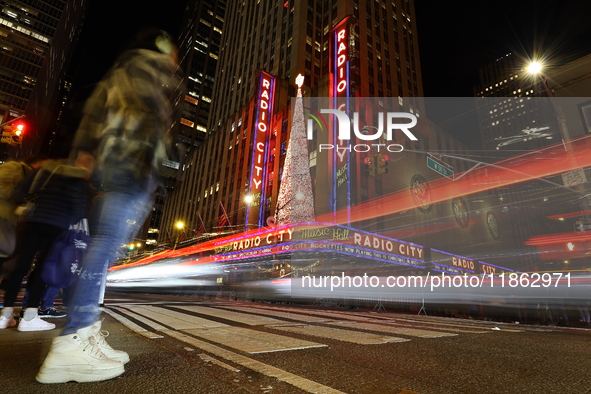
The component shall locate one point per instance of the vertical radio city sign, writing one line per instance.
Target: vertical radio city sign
(341, 57)
(258, 165)
(341, 51)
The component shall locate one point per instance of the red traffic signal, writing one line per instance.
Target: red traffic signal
(12, 134)
(382, 164)
(370, 166)
(19, 128)
(17, 133)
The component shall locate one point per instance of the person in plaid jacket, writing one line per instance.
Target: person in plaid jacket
(125, 128)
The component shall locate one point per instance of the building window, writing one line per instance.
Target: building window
(313, 155)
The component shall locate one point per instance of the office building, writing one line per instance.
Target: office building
(199, 46)
(37, 39)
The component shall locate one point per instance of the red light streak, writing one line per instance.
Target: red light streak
(543, 163)
(569, 215)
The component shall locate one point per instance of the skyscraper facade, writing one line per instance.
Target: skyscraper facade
(37, 39)
(199, 46)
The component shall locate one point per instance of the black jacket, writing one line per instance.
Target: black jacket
(61, 191)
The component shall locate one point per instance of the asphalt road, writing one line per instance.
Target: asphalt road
(195, 345)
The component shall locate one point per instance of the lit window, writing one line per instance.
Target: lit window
(187, 122)
(191, 100)
(313, 156)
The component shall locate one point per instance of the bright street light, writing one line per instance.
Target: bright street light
(180, 225)
(248, 199)
(534, 68)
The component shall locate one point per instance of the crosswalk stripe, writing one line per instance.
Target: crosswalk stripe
(268, 370)
(286, 315)
(131, 325)
(395, 330)
(209, 359)
(252, 341)
(176, 320)
(358, 337)
(141, 319)
(421, 326)
(326, 314)
(239, 317)
(472, 326)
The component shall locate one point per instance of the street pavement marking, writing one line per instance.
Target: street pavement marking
(268, 370)
(472, 326)
(176, 320)
(425, 325)
(239, 317)
(285, 315)
(209, 359)
(359, 337)
(395, 330)
(142, 319)
(246, 340)
(132, 326)
(252, 341)
(325, 314)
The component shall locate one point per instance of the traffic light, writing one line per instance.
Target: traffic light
(369, 166)
(17, 133)
(7, 134)
(382, 163)
(13, 133)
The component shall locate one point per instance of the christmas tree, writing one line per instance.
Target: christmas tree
(295, 203)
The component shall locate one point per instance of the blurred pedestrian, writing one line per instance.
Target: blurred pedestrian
(125, 127)
(11, 174)
(61, 197)
(47, 308)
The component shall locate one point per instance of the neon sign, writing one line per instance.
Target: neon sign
(342, 59)
(258, 167)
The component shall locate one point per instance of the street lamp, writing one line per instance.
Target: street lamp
(534, 68)
(179, 226)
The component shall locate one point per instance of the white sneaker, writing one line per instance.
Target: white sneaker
(113, 354)
(77, 357)
(7, 323)
(35, 324)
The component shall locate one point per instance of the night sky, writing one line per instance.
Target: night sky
(454, 40)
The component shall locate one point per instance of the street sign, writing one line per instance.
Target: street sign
(574, 178)
(440, 168)
(582, 226)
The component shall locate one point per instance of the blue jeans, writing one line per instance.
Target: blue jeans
(48, 297)
(119, 218)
